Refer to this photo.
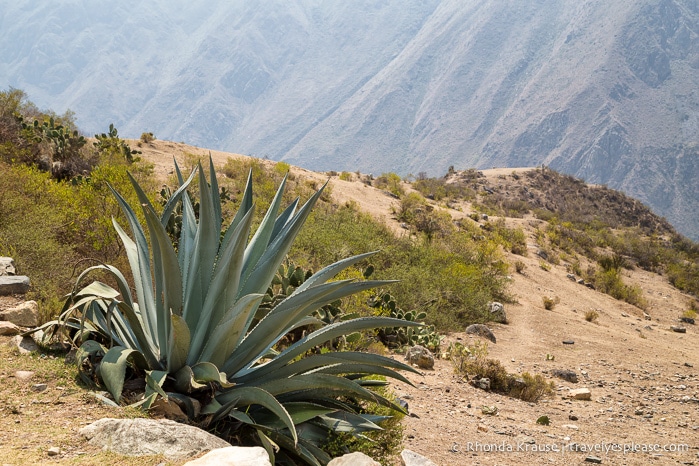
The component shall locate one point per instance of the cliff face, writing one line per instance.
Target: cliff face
(607, 91)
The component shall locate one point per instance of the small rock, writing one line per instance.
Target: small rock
(482, 331)
(687, 320)
(646, 316)
(421, 356)
(410, 458)
(354, 459)
(25, 344)
(566, 374)
(593, 459)
(580, 394)
(7, 266)
(8, 329)
(54, 451)
(482, 428)
(678, 329)
(497, 312)
(25, 314)
(686, 364)
(570, 426)
(39, 387)
(571, 277)
(233, 456)
(483, 384)
(568, 342)
(13, 284)
(24, 375)
(572, 417)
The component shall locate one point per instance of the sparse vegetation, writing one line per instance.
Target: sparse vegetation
(472, 362)
(549, 302)
(591, 315)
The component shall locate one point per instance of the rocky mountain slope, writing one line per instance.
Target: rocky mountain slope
(602, 90)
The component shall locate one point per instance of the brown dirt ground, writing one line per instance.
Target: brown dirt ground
(643, 377)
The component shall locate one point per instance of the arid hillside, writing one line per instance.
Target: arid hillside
(641, 373)
(636, 358)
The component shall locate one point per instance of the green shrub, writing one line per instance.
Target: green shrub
(147, 138)
(549, 302)
(194, 328)
(346, 176)
(391, 183)
(591, 315)
(520, 266)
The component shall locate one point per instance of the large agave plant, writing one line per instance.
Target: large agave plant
(196, 330)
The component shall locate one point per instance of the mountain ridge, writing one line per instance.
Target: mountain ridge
(603, 91)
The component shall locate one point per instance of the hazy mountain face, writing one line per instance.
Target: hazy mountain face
(608, 91)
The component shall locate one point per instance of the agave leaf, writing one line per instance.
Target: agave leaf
(205, 372)
(256, 280)
(138, 254)
(260, 241)
(362, 369)
(320, 336)
(113, 368)
(244, 396)
(166, 271)
(175, 197)
(348, 422)
(284, 218)
(228, 332)
(245, 205)
(302, 449)
(332, 270)
(270, 447)
(99, 290)
(299, 412)
(224, 286)
(215, 196)
(316, 361)
(178, 343)
(184, 381)
(203, 256)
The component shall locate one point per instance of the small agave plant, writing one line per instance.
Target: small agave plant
(196, 330)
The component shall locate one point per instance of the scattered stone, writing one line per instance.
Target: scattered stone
(139, 437)
(25, 314)
(54, 451)
(570, 426)
(572, 417)
(481, 330)
(410, 458)
(687, 320)
(482, 428)
(39, 387)
(7, 266)
(686, 364)
(520, 439)
(233, 456)
(583, 394)
(421, 356)
(571, 277)
(497, 312)
(593, 459)
(580, 281)
(646, 316)
(568, 342)
(678, 329)
(168, 409)
(24, 344)
(13, 284)
(8, 329)
(483, 384)
(354, 459)
(24, 375)
(566, 374)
